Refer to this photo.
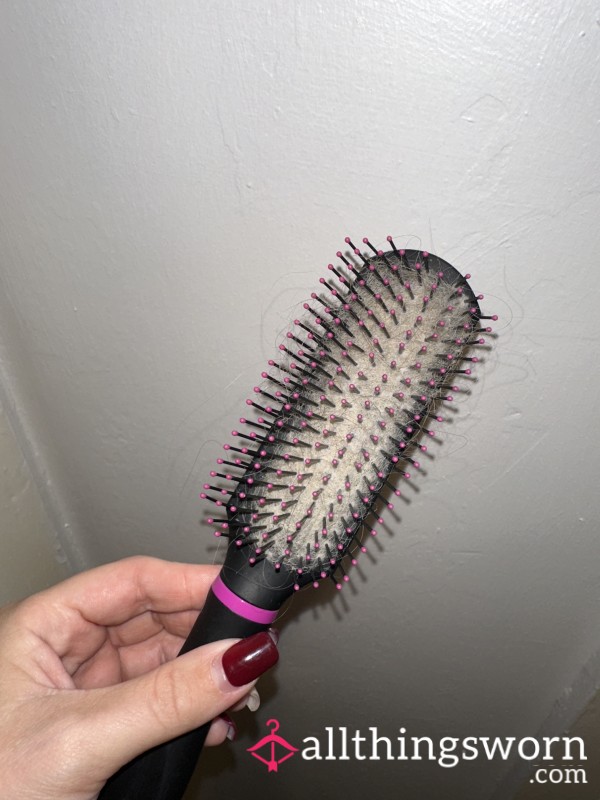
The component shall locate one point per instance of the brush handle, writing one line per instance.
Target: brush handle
(163, 773)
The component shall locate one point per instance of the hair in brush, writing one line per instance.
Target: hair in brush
(341, 415)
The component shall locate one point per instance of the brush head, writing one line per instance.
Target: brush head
(340, 416)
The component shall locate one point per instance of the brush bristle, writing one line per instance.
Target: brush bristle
(341, 412)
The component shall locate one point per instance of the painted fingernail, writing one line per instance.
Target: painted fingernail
(231, 727)
(274, 634)
(247, 659)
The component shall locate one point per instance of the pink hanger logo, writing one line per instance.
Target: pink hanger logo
(275, 749)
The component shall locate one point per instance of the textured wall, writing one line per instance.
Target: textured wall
(176, 176)
(30, 556)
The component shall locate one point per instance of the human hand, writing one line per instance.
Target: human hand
(88, 680)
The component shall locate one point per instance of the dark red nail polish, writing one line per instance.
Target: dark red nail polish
(247, 659)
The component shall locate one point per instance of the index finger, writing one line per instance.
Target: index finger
(72, 617)
(114, 593)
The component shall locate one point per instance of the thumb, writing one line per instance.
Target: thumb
(131, 717)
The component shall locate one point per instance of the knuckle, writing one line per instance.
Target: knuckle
(170, 699)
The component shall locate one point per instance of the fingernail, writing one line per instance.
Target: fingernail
(231, 726)
(253, 701)
(274, 634)
(247, 659)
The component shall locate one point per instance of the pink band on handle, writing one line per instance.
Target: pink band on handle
(242, 607)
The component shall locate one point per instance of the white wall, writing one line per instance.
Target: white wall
(175, 178)
(31, 556)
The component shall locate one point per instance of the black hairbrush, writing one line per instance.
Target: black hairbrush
(339, 416)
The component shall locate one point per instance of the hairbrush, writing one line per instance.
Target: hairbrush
(340, 416)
